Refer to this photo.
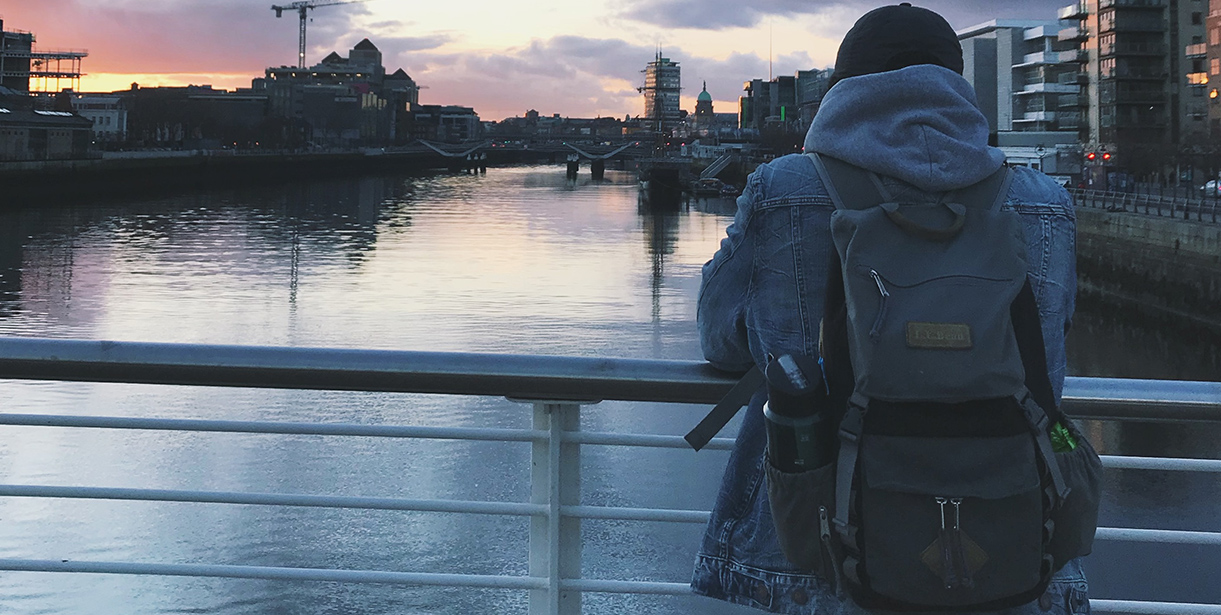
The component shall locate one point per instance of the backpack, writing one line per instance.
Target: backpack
(945, 492)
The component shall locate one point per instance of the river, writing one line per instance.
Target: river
(518, 260)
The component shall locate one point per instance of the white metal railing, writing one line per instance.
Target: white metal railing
(553, 581)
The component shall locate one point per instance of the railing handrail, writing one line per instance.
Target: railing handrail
(346, 369)
(555, 508)
(503, 375)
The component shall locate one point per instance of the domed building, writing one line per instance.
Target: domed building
(703, 102)
(704, 120)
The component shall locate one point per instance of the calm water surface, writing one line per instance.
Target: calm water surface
(519, 260)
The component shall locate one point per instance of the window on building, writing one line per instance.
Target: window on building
(1107, 67)
(1214, 66)
(1214, 36)
(1106, 44)
(1197, 18)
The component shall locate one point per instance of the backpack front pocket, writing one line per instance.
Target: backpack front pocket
(951, 521)
(944, 337)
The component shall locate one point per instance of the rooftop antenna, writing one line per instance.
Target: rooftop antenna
(769, 48)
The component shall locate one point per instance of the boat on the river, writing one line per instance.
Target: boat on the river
(662, 179)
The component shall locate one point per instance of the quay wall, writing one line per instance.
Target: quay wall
(1161, 267)
(24, 182)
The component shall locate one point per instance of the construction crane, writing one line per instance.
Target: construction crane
(301, 8)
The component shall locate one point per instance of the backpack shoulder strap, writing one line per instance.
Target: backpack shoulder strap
(991, 192)
(849, 186)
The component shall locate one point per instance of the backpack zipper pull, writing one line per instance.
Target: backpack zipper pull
(824, 530)
(949, 571)
(885, 294)
(959, 548)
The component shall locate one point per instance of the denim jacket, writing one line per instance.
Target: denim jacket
(763, 293)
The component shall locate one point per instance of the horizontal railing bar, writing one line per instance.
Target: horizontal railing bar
(473, 581)
(274, 499)
(352, 429)
(277, 573)
(470, 433)
(1161, 463)
(642, 440)
(518, 376)
(341, 369)
(1184, 537)
(353, 502)
(626, 587)
(1153, 608)
(636, 514)
(1137, 399)
(271, 427)
(488, 508)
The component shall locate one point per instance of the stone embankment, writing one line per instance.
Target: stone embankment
(133, 172)
(1167, 268)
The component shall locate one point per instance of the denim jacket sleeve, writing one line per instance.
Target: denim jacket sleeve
(722, 305)
(1050, 226)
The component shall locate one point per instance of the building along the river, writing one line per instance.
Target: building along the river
(1141, 99)
(1213, 64)
(662, 85)
(344, 101)
(783, 103)
(26, 69)
(30, 134)
(1025, 80)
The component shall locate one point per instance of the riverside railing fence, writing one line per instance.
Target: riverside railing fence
(558, 387)
(1182, 206)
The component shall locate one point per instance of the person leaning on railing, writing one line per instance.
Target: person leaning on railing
(899, 107)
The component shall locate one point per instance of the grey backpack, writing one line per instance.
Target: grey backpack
(946, 492)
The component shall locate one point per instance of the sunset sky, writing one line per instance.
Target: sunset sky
(577, 58)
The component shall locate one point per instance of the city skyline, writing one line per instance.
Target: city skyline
(579, 60)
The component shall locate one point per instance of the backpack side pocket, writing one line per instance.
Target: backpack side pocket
(1076, 519)
(795, 499)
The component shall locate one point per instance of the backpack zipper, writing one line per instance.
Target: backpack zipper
(884, 294)
(959, 547)
(955, 573)
(824, 528)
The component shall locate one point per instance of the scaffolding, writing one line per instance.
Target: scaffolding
(40, 71)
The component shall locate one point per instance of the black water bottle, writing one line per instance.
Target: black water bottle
(800, 436)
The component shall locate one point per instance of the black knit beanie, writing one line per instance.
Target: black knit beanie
(894, 37)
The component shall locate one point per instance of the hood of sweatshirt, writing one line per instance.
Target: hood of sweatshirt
(919, 124)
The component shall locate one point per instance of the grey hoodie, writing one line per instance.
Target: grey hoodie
(925, 127)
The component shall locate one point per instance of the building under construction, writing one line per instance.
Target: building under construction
(22, 69)
(662, 85)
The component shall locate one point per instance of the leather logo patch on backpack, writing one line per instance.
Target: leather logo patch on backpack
(939, 335)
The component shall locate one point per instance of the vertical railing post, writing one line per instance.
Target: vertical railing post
(555, 481)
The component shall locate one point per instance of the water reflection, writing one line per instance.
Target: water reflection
(518, 260)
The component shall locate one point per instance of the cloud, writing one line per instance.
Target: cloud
(570, 74)
(722, 14)
(179, 37)
(718, 14)
(578, 76)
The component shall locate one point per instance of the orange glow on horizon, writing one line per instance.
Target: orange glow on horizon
(114, 82)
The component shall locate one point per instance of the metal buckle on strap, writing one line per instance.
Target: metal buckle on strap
(849, 436)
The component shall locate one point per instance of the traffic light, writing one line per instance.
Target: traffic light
(1091, 156)
(1106, 156)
